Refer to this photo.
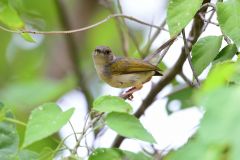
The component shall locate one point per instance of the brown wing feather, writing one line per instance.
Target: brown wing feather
(128, 65)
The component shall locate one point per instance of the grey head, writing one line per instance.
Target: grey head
(103, 53)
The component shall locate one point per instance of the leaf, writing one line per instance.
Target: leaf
(44, 121)
(128, 126)
(228, 14)
(204, 52)
(180, 13)
(183, 95)
(10, 17)
(28, 37)
(116, 154)
(110, 104)
(226, 53)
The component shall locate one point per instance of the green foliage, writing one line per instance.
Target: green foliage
(44, 121)
(180, 13)
(111, 104)
(204, 52)
(228, 14)
(128, 126)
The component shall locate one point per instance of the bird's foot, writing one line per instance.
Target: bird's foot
(127, 95)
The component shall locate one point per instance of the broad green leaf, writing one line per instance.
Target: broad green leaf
(226, 53)
(204, 52)
(9, 17)
(116, 154)
(128, 126)
(180, 13)
(27, 37)
(228, 14)
(183, 95)
(44, 121)
(111, 104)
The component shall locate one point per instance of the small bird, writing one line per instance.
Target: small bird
(124, 72)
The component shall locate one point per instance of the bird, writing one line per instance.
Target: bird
(124, 72)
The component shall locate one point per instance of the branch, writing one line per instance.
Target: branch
(85, 28)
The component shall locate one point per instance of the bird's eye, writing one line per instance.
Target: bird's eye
(107, 51)
(97, 50)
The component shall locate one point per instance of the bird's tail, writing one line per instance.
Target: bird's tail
(156, 56)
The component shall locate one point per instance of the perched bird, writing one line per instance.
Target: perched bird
(124, 72)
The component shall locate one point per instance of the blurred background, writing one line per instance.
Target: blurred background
(59, 68)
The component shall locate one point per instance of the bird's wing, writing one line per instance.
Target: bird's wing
(128, 65)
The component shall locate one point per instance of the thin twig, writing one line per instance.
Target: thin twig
(75, 135)
(207, 20)
(186, 48)
(186, 79)
(85, 28)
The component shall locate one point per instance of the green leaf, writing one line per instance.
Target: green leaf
(183, 95)
(27, 37)
(228, 14)
(10, 17)
(116, 154)
(128, 126)
(111, 104)
(204, 52)
(180, 13)
(44, 121)
(226, 53)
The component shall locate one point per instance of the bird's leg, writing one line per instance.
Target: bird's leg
(128, 95)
